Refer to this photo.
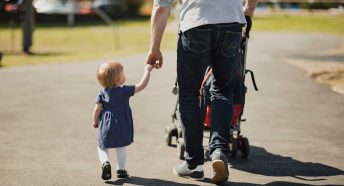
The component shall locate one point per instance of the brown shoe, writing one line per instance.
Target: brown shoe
(220, 168)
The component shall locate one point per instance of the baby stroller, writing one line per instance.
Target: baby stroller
(236, 142)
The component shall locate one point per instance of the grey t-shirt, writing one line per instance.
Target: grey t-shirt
(196, 13)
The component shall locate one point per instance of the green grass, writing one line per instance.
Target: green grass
(58, 43)
(310, 23)
(55, 44)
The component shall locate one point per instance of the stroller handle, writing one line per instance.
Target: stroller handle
(248, 26)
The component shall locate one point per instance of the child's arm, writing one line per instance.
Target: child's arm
(145, 79)
(96, 113)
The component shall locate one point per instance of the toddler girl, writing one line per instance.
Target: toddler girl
(112, 114)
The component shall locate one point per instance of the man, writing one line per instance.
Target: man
(210, 33)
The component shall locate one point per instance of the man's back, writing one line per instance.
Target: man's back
(195, 13)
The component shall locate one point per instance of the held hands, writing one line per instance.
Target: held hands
(155, 59)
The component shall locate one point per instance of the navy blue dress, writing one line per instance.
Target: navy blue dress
(115, 120)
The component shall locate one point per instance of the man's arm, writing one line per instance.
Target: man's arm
(250, 6)
(158, 25)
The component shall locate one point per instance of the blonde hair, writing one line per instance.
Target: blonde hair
(108, 74)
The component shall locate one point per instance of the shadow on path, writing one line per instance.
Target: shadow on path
(260, 162)
(264, 163)
(145, 181)
(277, 183)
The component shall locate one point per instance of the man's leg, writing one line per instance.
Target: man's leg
(193, 56)
(224, 65)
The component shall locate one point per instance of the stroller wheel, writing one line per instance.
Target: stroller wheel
(233, 148)
(168, 138)
(245, 151)
(169, 133)
(181, 149)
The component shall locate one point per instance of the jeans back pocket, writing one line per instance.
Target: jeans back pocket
(197, 40)
(231, 44)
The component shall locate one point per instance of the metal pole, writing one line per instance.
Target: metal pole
(28, 25)
(0, 58)
(71, 13)
(12, 34)
(109, 21)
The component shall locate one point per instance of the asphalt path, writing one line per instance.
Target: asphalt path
(295, 126)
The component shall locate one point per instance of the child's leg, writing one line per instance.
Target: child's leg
(103, 155)
(104, 160)
(121, 158)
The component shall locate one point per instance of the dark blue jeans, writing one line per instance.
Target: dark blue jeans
(216, 45)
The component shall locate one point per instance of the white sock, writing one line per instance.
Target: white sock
(121, 158)
(103, 155)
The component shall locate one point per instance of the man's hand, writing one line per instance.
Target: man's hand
(250, 6)
(155, 59)
(248, 12)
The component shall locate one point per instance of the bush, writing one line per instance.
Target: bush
(133, 6)
(318, 5)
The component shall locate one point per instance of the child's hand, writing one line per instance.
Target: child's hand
(95, 124)
(149, 68)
